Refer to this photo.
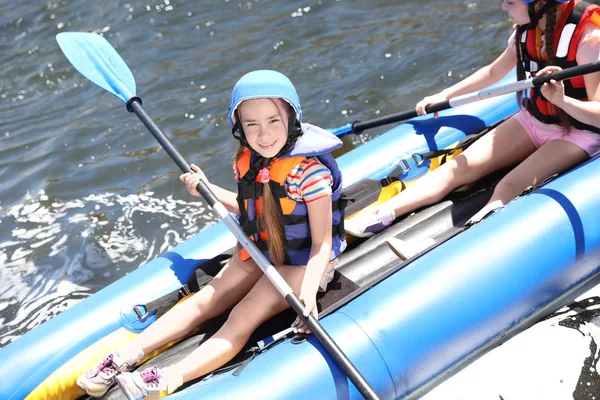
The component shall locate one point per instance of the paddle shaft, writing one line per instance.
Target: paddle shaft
(134, 105)
(357, 127)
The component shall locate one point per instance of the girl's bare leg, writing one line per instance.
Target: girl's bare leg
(551, 158)
(232, 283)
(502, 147)
(261, 303)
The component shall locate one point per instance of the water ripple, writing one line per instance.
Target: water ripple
(59, 252)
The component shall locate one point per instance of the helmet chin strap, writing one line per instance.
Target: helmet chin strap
(294, 130)
(238, 132)
(534, 17)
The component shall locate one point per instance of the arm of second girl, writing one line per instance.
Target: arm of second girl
(587, 112)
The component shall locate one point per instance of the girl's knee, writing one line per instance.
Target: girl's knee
(508, 188)
(243, 318)
(190, 306)
(249, 314)
(202, 304)
(461, 172)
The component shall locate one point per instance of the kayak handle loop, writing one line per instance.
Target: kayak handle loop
(419, 159)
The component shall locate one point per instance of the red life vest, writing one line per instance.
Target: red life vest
(576, 17)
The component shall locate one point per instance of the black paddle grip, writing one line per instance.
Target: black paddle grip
(358, 127)
(567, 73)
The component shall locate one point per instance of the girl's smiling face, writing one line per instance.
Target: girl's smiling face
(517, 10)
(265, 124)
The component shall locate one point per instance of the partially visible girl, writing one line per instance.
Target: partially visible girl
(288, 202)
(557, 128)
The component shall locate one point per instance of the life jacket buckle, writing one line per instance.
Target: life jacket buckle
(533, 66)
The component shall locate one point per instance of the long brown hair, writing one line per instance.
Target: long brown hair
(551, 56)
(272, 220)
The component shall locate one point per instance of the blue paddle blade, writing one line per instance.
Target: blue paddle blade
(99, 62)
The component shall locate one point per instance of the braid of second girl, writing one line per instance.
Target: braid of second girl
(549, 34)
(520, 67)
(549, 40)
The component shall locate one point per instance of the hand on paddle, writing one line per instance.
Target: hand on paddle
(309, 298)
(553, 91)
(192, 180)
(433, 99)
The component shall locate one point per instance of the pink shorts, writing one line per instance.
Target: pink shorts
(540, 133)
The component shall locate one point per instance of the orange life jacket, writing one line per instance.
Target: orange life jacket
(297, 238)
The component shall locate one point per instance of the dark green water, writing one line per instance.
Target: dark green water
(86, 194)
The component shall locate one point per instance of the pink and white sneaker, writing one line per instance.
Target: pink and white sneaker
(366, 223)
(100, 378)
(145, 385)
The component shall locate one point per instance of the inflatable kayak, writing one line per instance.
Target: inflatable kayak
(406, 323)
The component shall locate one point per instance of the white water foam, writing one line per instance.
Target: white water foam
(57, 253)
(555, 359)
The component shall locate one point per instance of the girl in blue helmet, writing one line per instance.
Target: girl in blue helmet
(289, 203)
(557, 127)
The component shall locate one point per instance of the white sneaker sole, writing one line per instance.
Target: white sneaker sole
(123, 382)
(85, 388)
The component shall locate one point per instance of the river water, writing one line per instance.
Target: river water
(87, 195)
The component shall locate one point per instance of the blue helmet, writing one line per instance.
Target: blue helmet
(264, 84)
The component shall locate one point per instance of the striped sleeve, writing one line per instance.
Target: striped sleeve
(308, 181)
